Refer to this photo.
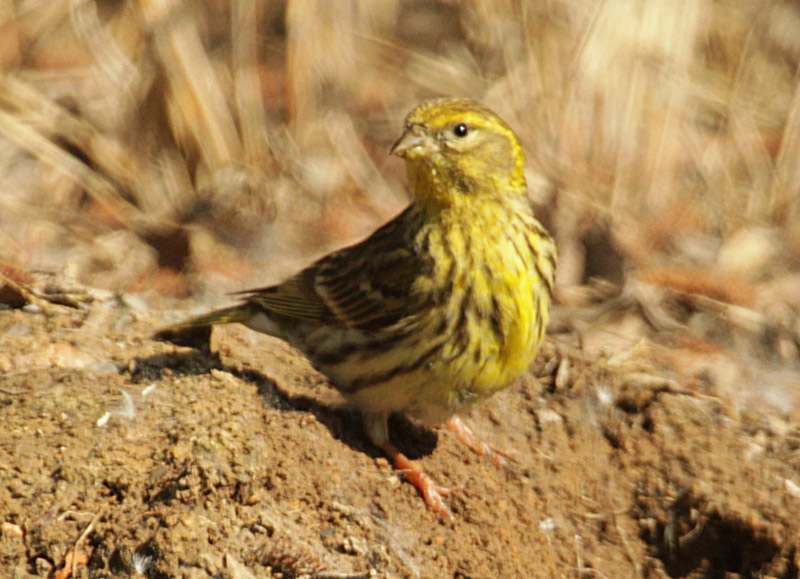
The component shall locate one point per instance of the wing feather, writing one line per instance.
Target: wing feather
(366, 286)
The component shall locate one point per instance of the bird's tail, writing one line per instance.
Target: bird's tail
(231, 315)
(196, 332)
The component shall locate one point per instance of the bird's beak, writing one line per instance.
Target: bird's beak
(413, 143)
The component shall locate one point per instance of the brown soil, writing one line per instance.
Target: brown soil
(191, 148)
(131, 457)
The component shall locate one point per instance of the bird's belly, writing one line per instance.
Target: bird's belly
(429, 370)
(389, 372)
(417, 394)
(500, 333)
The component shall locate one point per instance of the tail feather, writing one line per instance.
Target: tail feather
(196, 332)
(232, 315)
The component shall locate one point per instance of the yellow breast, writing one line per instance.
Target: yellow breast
(502, 276)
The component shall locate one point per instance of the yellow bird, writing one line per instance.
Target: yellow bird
(441, 307)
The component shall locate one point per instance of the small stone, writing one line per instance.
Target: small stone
(547, 416)
(11, 529)
(792, 488)
(109, 367)
(44, 568)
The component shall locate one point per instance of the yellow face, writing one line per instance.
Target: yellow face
(457, 149)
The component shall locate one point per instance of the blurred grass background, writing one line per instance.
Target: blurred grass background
(189, 148)
(186, 147)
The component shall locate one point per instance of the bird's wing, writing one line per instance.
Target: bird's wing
(295, 298)
(371, 292)
(366, 286)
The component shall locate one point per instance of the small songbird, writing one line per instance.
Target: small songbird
(441, 307)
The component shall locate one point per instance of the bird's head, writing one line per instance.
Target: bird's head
(457, 150)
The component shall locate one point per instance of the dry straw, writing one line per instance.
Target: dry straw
(245, 123)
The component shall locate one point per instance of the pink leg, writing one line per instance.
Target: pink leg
(468, 438)
(378, 430)
(431, 492)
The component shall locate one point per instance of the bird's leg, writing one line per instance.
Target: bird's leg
(431, 492)
(467, 437)
(378, 430)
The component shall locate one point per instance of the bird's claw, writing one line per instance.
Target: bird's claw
(470, 440)
(431, 492)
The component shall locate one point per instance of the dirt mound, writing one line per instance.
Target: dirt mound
(129, 457)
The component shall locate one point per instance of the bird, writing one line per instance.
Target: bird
(439, 308)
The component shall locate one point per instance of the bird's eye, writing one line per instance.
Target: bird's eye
(460, 130)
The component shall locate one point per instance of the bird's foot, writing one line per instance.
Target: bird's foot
(432, 493)
(468, 438)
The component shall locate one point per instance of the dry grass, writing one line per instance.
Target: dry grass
(188, 147)
(147, 144)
